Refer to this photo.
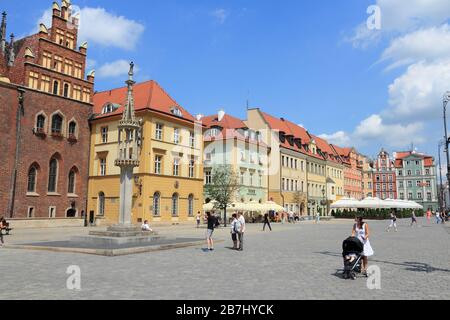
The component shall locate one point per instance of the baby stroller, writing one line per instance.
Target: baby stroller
(353, 249)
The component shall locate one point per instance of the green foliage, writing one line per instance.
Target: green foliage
(224, 185)
(377, 214)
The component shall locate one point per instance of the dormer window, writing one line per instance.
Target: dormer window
(109, 108)
(282, 137)
(290, 140)
(177, 112)
(214, 132)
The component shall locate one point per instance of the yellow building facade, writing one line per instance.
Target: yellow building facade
(168, 184)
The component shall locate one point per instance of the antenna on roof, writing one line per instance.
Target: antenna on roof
(248, 99)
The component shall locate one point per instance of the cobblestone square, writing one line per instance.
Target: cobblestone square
(299, 261)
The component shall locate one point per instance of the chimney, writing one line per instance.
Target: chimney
(3, 34)
(220, 115)
(12, 55)
(199, 117)
(64, 10)
(83, 48)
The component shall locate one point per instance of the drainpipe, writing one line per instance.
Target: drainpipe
(19, 114)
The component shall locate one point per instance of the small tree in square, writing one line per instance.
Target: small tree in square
(224, 185)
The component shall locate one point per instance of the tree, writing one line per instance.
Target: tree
(224, 185)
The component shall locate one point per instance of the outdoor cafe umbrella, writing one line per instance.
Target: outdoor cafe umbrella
(272, 206)
(345, 203)
(254, 206)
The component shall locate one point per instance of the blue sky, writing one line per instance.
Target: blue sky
(309, 61)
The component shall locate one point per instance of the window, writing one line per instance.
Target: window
(104, 131)
(47, 60)
(45, 83)
(251, 179)
(76, 93)
(158, 164)
(400, 173)
(409, 172)
(176, 167)
(419, 195)
(71, 182)
(33, 80)
(192, 168)
(401, 184)
(40, 123)
(156, 204)
(66, 91)
(52, 212)
(60, 36)
(208, 177)
(102, 167)
(260, 183)
(418, 183)
(418, 172)
(417, 163)
(410, 196)
(409, 184)
(175, 205)
(57, 64)
(57, 122)
(242, 178)
(68, 67)
(402, 196)
(428, 183)
(32, 179)
(177, 112)
(191, 205)
(70, 41)
(159, 132)
(86, 95)
(192, 139)
(282, 161)
(427, 172)
(55, 87)
(78, 71)
(101, 204)
(30, 212)
(176, 136)
(72, 129)
(429, 197)
(53, 175)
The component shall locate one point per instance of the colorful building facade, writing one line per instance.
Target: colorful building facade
(417, 178)
(228, 141)
(168, 184)
(384, 177)
(46, 100)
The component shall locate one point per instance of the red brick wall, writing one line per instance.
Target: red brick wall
(8, 108)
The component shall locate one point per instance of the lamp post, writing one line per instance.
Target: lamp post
(441, 186)
(447, 142)
(324, 202)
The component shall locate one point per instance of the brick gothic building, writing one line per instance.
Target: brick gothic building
(384, 177)
(45, 104)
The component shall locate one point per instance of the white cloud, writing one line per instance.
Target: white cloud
(426, 44)
(220, 15)
(103, 28)
(418, 93)
(339, 138)
(115, 69)
(402, 16)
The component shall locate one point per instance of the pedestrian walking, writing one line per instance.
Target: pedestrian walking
(199, 218)
(211, 221)
(2, 226)
(235, 227)
(267, 222)
(317, 218)
(362, 232)
(429, 216)
(414, 220)
(393, 223)
(241, 231)
(438, 217)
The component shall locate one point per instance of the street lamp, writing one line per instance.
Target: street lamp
(441, 187)
(324, 202)
(447, 142)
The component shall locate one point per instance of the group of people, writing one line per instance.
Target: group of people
(440, 216)
(237, 230)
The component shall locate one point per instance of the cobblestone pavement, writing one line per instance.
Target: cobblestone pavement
(292, 262)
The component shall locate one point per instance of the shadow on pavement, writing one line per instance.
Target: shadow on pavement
(409, 266)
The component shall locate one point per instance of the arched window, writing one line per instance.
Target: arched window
(32, 179)
(175, 205)
(55, 87)
(101, 204)
(66, 90)
(71, 182)
(72, 129)
(191, 205)
(157, 204)
(57, 122)
(53, 175)
(40, 122)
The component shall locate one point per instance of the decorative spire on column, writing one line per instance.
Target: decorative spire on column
(3, 34)
(11, 55)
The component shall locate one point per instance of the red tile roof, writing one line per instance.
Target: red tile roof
(325, 147)
(428, 160)
(228, 122)
(147, 95)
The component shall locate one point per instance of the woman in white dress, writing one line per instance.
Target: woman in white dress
(362, 232)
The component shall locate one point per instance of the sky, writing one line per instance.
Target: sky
(316, 63)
